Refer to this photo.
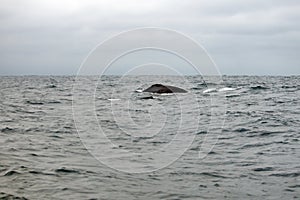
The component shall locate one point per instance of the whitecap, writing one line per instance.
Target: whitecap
(113, 99)
(139, 91)
(210, 90)
(226, 89)
(166, 94)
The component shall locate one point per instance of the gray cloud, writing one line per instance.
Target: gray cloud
(243, 37)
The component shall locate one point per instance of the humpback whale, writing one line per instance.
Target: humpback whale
(159, 88)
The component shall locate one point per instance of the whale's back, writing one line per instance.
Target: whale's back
(159, 88)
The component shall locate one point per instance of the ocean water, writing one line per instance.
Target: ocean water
(234, 140)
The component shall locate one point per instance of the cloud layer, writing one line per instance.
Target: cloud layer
(243, 37)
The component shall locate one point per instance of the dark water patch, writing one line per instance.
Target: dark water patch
(201, 132)
(41, 173)
(67, 171)
(288, 86)
(51, 86)
(251, 134)
(36, 129)
(259, 144)
(281, 142)
(158, 142)
(61, 131)
(147, 97)
(54, 102)
(232, 95)
(7, 130)
(246, 164)
(263, 169)
(212, 153)
(259, 87)
(268, 133)
(196, 88)
(226, 138)
(34, 102)
(69, 127)
(241, 130)
(286, 174)
(238, 113)
(212, 174)
(294, 186)
(206, 84)
(56, 136)
(209, 174)
(30, 88)
(138, 111)
(63, 99)
(203, 186)
(5, 196)
(289, 190)
(7, 120)
(195, 148)
(279, 101)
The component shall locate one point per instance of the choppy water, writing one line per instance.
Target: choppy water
(257, 155)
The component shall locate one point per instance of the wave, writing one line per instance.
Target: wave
(10, 196)
(64, 170)
(34, 102)
(11, 172)
(263, 169)
(51, 86)
(6, 129)
(53, 102)
(288, 174)
(259, 87)
(288, 86)
(232, 95)
(240, 130)
(41, 173)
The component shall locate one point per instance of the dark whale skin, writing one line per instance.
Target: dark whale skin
(159, 88)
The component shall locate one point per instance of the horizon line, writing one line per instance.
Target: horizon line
(15, 75)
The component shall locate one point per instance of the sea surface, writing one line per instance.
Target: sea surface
(63, 137)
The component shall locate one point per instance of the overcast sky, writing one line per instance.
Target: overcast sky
(251, 37)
